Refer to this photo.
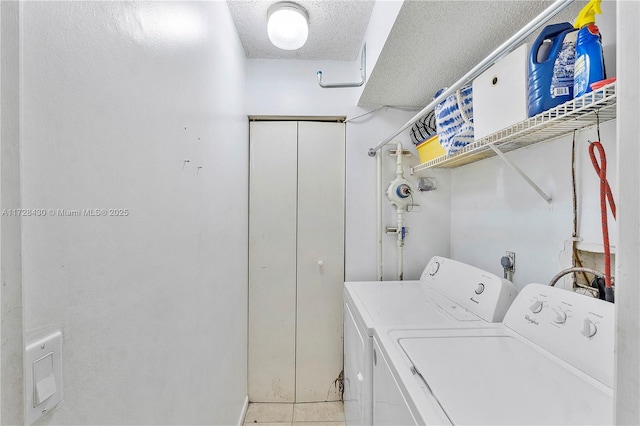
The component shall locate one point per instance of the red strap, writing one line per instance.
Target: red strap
(605, 195)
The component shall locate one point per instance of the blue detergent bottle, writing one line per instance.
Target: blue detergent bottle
(551, 62)
(589, 65)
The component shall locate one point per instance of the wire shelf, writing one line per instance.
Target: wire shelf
(578, 113)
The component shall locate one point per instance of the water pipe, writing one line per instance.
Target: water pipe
(400, 243)
(608, 294)
(398, 193)
(363, 74)
(564, 272)
(399, 212)
(379, 215)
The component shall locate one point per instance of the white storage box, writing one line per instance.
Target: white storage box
(500, 94)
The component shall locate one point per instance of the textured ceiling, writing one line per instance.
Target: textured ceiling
(434, 43)
(431, 45)
(336, 29)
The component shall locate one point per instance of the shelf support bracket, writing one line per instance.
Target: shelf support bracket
(520, 172)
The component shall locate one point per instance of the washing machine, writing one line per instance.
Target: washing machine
(549, 362)
(448, 293)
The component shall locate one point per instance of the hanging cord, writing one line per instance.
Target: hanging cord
(605, 195)
(385, 107)
(410, 206)
(576, 257)
(366, 113)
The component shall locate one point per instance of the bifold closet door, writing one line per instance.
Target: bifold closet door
(296, 261)
(320, 260)
(272, 261)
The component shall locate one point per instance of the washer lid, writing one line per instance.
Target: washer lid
(502, 380)
(405, 303)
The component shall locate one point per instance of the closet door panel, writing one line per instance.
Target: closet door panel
(272, 261)
(320, 264)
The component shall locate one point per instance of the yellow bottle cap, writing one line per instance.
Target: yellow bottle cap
(588, 14)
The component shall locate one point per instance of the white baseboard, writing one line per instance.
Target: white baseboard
(243, 414)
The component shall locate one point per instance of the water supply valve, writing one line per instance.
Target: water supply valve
(399, 193)
(508, 263)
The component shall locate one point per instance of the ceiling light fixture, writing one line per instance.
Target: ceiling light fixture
(288, 25)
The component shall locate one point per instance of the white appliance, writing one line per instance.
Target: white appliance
(550, 362)
(448, 293)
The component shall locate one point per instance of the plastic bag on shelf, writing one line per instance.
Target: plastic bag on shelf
(424, 128)
(454, 120)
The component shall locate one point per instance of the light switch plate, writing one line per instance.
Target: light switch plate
(43, 375)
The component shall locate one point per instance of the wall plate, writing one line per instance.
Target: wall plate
(43, 376)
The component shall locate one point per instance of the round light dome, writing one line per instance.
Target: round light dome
(287, 26)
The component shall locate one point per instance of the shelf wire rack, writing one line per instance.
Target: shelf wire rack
(576, 114)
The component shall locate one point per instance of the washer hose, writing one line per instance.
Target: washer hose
(605, 195)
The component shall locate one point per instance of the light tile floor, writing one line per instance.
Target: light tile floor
(309, 414)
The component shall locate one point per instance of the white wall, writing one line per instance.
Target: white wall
(627, 384)
(383, 17)
(289, 88)
(11, 273)
(153, 305)
(494, 210)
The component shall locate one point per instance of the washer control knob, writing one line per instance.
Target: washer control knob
(479, 288)
(589, 329)
(560, 316)
(536, 307)
(433, 269)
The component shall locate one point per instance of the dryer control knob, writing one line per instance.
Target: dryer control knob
(479, 288)
(536, 307)
(560, 316)
(433, 269)
(589, 329)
